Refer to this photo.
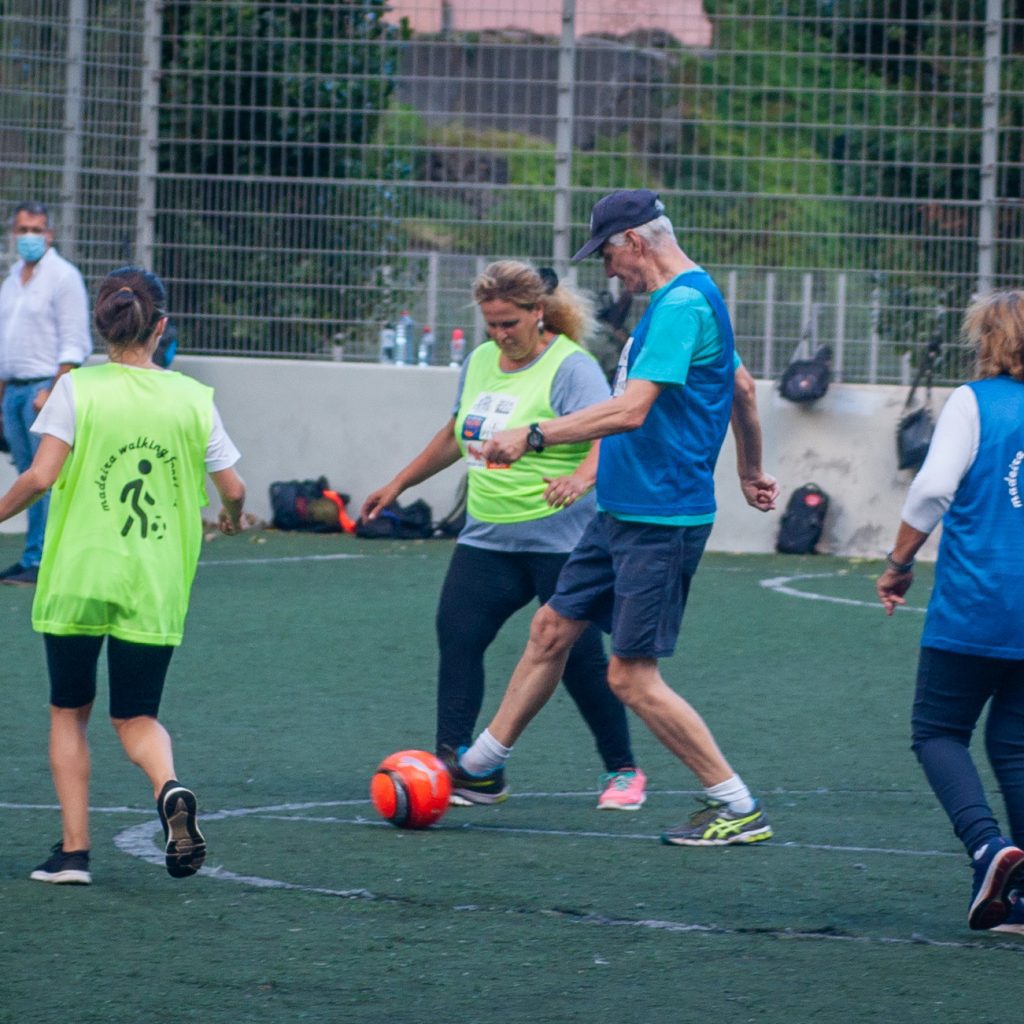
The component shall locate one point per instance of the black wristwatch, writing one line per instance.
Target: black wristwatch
(535, 438)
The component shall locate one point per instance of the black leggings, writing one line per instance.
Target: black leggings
(137, 673)
(481, 591)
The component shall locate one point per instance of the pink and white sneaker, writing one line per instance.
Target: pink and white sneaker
(623, 790)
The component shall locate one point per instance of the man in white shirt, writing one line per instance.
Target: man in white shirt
(44, 332)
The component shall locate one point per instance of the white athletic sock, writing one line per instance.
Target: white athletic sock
(734, 793)
(485, 755)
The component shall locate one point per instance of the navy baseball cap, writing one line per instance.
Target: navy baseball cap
(617, 212)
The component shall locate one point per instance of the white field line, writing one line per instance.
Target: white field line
(142, 841)
(780, 584)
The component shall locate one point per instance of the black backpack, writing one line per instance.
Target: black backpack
(803, 520)
(399, 522)
(807, 380)
(309, 505)
(916, 426)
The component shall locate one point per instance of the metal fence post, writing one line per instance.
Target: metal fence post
(564, 138)
(840, 329)
(988, 183)
(149, 133)
(433, 264)
(875, 339)
(71, 174)
(731, 290)
(769, 325)
(805, 346)
(479, 327)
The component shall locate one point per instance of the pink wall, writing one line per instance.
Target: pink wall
(685, 19)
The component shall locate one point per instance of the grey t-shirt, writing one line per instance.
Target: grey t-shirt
(577, 383)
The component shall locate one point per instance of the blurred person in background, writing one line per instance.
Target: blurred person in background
(44, 332)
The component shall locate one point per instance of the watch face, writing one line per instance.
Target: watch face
(535, 439)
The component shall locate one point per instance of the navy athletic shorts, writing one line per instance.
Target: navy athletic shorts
(631, 579)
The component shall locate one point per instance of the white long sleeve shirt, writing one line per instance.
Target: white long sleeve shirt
(951, 454)
(45, 322)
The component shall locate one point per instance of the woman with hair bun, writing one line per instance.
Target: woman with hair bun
(522, 521)
(126, 447)
(972, 646)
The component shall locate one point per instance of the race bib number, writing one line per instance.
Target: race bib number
(488, 414)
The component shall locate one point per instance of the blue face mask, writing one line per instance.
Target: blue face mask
(31, 247)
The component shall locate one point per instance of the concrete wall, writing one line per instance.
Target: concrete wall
(358, 423)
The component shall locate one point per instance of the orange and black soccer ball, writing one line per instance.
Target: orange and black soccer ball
(411, 789)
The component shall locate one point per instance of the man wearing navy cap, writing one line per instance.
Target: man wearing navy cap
(661, 432)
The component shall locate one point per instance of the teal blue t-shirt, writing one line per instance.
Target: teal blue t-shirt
(684, 334)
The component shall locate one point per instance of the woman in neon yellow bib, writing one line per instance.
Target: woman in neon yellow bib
(125, 446)
(522, 520)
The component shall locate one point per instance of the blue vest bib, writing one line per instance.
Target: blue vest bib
(977, 605)
(666, 467)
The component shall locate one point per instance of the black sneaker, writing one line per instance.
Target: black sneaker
(473, 789)
(13, 571)
(186, 848)
(26, 578)
(64, 868)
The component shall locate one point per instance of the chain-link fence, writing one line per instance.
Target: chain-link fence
(301, 173)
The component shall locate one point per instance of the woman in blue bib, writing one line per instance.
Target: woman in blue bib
(523, 520)
(972, 647)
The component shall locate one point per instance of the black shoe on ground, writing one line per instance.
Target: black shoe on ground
(473, 789)
(23, 579)
(185, 848)
(64, 868)
(19, 575)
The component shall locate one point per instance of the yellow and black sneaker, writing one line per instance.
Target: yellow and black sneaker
(715, 825)
(470, 789)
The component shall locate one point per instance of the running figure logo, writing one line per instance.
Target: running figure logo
(135, 494)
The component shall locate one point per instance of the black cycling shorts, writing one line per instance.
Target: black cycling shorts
(137, 673)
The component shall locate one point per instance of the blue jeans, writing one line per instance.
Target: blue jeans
(19, 415)
(952, 691)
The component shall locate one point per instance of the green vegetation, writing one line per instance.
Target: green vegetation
(266, 115)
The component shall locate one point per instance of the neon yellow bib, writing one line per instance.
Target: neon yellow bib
(494, 400)
(124, 528)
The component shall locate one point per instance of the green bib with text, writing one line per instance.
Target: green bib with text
(124, 528)
(494, 400)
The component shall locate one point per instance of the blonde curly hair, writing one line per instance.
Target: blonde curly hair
(566, 310)
(994, 325)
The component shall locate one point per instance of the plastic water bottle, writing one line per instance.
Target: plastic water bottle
(425, 355)
(458, 348)
(403, 339)
(387, 344)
